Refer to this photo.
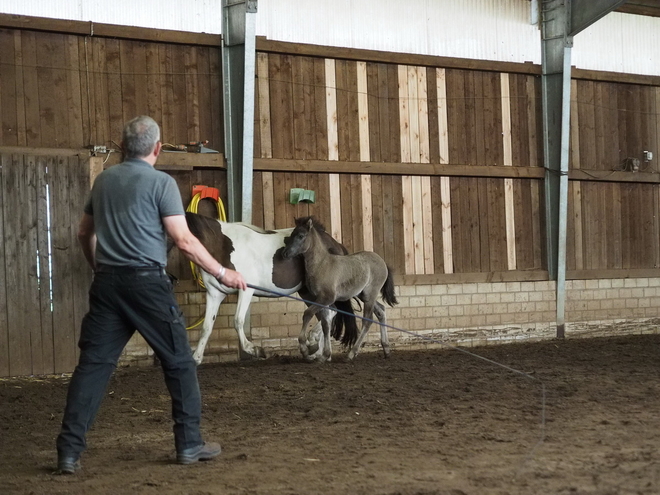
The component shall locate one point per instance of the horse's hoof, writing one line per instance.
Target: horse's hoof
(257, 353)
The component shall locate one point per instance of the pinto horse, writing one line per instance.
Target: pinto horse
(257, 254)
(333, 278)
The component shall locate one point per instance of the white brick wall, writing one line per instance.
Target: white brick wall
(465, 314)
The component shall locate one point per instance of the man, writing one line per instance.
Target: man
(122, 232)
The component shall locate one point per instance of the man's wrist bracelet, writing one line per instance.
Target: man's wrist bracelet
(221, 273)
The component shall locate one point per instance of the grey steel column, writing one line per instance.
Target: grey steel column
(556, 87)
(560, 21)
(238, 72)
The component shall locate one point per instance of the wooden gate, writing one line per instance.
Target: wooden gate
(44, 277)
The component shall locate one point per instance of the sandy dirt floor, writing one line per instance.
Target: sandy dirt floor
(437, 422)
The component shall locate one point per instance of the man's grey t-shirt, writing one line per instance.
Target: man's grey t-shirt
(127, 202)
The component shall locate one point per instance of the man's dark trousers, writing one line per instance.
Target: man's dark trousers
(122, 300)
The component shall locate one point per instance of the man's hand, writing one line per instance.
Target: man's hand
(233, 279)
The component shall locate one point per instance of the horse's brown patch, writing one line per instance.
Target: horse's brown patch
(209, 232)
(287, 273)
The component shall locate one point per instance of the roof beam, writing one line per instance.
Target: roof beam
(585, 12)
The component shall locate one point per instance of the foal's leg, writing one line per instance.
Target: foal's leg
(246, 348)
(379, 310)
(315, 338)
(213, 299)
(366, 323)
(302, 338)
(324, 351)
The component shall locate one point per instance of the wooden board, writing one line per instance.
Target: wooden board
(8, 82)
(20, 238)
(64, 322)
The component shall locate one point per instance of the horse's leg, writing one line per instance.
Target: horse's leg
(302, 338)
(366, 323)
(246, 348)
(213, 299)
(379, 310)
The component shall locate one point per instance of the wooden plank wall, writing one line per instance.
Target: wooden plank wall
(71, 91)
(42, 298)
(345, 111)
(473, 121)
(614, 225)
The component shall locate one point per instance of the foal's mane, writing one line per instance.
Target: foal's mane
(315, 222)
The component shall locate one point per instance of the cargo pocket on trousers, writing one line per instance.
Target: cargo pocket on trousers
(179, 335)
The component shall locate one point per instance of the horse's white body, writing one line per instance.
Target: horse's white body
(253, 257)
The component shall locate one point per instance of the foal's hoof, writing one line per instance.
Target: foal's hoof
(313, 348)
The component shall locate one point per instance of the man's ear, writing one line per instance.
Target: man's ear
(159, 146)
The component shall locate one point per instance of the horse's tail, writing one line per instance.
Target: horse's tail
(344, 326)
(387, 290)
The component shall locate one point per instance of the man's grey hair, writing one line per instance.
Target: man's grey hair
(140, 137)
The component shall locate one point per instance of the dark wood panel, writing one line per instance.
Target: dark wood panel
(456, 117)
(73, 91)
(343, 111)
(378, 216)
(81, 273)
(304, 120)
(523, 221)
(356, 220)
(354, 54)
(15, 346)
(348, 195)
(394, 119)
(193, 96)
(373, 105)
(281, 105)
(8, 80)
(492, 120)
(475, 105)
(432, 97)
(520, 131)
(587, 133)
(84, 28)
(613, 205)
(4, 323)
(396, 198)
(20, 238)
(204, 99)
(438, 238)
(64, 323)
(179, 96)
(320, 110)
(258, 200)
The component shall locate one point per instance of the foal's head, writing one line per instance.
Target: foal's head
(299, 242)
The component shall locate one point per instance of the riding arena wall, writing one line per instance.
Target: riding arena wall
(434, 163)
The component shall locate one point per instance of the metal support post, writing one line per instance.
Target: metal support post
(560, 21)
(238, 71)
